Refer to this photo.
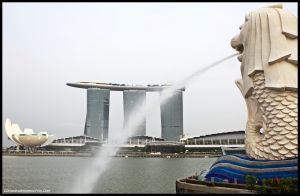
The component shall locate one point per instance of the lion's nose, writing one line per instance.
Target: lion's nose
(235, 41)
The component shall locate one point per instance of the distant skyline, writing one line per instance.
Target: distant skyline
(46, 45)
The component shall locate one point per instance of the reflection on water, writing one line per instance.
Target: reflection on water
(131, 175)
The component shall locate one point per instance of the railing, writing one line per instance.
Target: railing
(45, 153)
(192, 185)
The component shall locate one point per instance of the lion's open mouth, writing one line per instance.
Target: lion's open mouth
(237, 44)
(240, 49)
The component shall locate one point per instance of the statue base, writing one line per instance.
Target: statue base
(235, 169)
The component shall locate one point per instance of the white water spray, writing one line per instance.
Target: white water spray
(87, 180)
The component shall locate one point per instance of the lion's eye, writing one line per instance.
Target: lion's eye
(246, 18)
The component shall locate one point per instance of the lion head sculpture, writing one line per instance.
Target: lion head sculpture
(268, 49)
(268, 42)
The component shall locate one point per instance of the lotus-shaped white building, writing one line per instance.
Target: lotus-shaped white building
(27, 137)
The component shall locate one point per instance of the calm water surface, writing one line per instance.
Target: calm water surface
(125, 175)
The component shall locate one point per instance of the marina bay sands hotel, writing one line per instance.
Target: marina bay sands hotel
(97, 115)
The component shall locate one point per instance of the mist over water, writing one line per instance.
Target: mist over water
(86, 181)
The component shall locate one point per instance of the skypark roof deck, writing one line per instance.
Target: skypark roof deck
(119, 87)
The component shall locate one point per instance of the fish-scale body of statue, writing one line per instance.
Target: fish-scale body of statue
(268, 46)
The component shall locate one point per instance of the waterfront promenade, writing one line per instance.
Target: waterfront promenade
(46, 153)
(120, 155)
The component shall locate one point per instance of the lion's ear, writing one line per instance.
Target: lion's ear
(289, 23)
(279, 50)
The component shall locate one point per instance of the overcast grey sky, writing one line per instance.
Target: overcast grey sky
(46, 45)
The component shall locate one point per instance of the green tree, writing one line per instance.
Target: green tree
(250, 181)
(135, 149)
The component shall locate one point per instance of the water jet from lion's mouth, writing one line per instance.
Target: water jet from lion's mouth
(87, 180)
(201, 71)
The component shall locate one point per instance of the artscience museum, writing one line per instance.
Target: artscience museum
(27, 138)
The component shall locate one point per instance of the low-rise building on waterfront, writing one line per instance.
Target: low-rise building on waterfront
(222, 138)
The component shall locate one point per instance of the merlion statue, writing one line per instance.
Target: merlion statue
(268, 49)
